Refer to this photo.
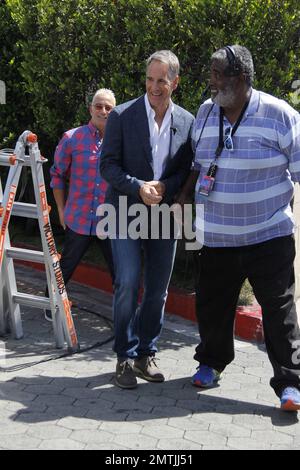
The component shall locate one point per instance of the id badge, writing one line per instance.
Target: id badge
(206, 185)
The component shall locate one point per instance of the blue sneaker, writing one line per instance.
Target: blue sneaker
(290, 399)
(206, 377)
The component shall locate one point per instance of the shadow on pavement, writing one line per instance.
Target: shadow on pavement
(46, 399)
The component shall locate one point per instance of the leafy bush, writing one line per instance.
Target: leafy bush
(72, 47)
(56, 53)
(15, 115)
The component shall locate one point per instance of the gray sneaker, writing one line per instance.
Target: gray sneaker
(146, 368)
(125, 377)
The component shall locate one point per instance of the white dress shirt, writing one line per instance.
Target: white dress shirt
(159, 138)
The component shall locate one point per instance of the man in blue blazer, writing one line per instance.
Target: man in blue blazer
(146, 157)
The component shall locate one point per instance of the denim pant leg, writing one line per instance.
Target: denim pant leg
(127, 263)
(159, 261)
(105, 247)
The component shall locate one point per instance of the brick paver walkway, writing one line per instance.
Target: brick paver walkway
(72, 403)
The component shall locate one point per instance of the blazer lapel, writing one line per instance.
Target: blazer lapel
(178, 137)
(142, 125)
(176, 134)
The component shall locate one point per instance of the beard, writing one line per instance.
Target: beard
(225, 98)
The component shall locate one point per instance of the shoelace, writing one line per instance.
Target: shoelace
(125, 365)
(153, 360)
(291, 391)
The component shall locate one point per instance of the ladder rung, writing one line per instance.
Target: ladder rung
(4, 160)
(25, 255)
(7, 159)
(22, 209)
(26, 161)
(31, 300)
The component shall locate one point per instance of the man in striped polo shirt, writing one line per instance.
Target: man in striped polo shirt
(247, 156)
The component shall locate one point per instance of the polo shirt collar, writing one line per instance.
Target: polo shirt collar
(254, 103)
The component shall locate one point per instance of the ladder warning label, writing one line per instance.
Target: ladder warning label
(50, 240)
(8, 208)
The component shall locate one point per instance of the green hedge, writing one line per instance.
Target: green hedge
(68, 48)
(56, 53)
(15, 116)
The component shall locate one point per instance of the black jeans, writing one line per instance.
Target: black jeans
(75, 246)
(221, 273)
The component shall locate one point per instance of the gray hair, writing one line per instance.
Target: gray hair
(105, 92)
(169, 58)
(243, 61)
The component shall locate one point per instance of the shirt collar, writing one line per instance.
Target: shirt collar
(92, 128)
(254, 103)
(150, 111)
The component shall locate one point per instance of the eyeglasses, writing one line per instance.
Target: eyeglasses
(228, 142)
(99, 107)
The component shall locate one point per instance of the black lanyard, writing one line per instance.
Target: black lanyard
(213, 166)
(204, 124)
(221, 128)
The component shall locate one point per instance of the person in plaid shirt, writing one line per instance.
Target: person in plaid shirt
(76, 161)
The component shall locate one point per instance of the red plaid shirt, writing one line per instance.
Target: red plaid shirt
(77, 159)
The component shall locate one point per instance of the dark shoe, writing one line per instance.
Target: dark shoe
(48, 315)
(125, 377)
(146, 368)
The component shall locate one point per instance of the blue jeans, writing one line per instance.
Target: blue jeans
(137, 328)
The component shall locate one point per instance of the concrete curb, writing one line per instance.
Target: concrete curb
(248, 324)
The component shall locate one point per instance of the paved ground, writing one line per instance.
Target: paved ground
(71, 403)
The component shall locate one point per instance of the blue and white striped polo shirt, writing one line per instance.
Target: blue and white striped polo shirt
(250, 200)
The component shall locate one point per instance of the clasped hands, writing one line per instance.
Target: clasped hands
(152, 192)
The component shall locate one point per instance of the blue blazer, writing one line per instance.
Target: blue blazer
(126, 157)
